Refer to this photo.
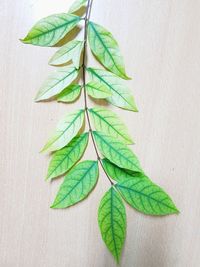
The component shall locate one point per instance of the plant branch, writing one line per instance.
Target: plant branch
(86, 20)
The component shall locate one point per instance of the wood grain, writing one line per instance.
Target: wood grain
(160, 41)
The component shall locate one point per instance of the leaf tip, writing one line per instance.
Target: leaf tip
(125, 77)
(47, 178)
(54, 205)
(135, 109)
(24, 40)
(43, 150)
(51, 61)
(37, 98)
(176, 210)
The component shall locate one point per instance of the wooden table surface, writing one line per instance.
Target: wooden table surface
(160, 41)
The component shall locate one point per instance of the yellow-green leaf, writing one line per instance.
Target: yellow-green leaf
(97, 90)
(77, 185)
(106, 49)
(112, 222)
(70, 51)
(57, 82)
(62, 160)
(77, 5)
(66, 129)
(70, 94)
(118, 174)
(109, 123)
(50, 30)
(117, 152)
(146, 197)
(121, 95)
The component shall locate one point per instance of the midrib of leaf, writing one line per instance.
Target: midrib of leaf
(91, 24)
(67, 155)
(71, 123)
(117, 151)
(91, 70)
(59, 81)
(146, 196)
(55, 28)
(110, 125)
(112, 227)
(87, 171)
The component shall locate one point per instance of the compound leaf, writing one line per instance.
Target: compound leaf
(121, 96)
(50, 30)
(69, 94)
(65, 158)
(109, 123)
(117, 152)
(146, 197)
(77, 5)
(112, 222)
(57, 82)
(70, 51)
(66, 129)
(97, 90)
(77, 185)
(106, 49)
(119, 174)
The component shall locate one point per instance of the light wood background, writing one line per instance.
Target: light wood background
(160, 41)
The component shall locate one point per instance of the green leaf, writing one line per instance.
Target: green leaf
(77, 5)
(97, 90)
(146, 197)
(57, 82)
(65, 158)
(70, 51)
(119, 174)
(112, 222)
(109, 123)
(50, 30)
(66, 129)
(77, 185)
(70, 94)
(117, 152)
(121, 96)
(106, 49)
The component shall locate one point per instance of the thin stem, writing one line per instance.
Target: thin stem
(86, 20)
